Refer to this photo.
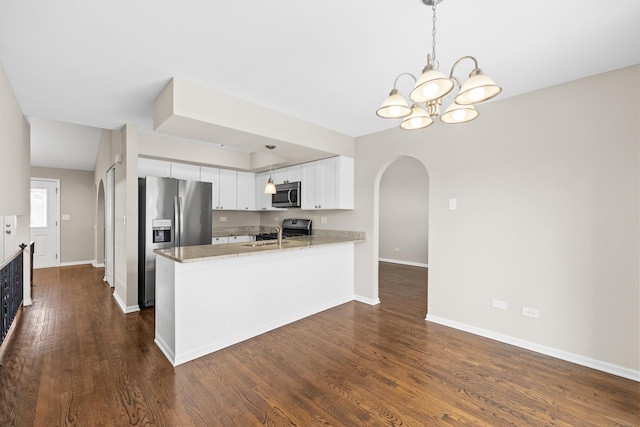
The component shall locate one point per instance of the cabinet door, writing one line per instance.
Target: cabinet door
(309, 181)
(246, 191)
(239, 239)
(279, 176)
(185, 171)
(327, 183)
(294, 173)
(153, 167)
(227, 190)
(212, 175)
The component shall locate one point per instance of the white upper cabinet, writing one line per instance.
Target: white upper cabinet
(223, 187)
(167, 169)
(246, 191)
(293, 173)
(279, 176)
(328, 184)
(185, 171)
(154, 167)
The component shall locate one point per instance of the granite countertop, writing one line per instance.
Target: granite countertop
(187, 254)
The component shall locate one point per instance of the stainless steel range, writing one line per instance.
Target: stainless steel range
(291, 227)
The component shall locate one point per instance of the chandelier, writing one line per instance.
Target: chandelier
(432, 87)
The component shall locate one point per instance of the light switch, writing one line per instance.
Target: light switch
(453, 204)
(66, 217)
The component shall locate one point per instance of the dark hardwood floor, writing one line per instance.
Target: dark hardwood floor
(75, 359)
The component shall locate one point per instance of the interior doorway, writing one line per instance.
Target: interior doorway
(403, 234)
(44, 222)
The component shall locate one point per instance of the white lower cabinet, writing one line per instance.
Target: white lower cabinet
(219, 240)
(241, 239)
(231, 239)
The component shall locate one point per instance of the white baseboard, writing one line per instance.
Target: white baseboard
(27, 302)
(68, 264)
(542, 349)
(397, 261)
(97, 264)
(370, 301)
(123, 307)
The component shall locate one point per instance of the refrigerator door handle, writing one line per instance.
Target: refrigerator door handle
(177, 220)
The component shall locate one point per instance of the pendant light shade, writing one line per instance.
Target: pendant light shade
(431, 85)
(394, 107)
(419, 119)
(457, 113)
(478, 88)
(270, 187)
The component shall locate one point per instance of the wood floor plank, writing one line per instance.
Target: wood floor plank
(77, 360)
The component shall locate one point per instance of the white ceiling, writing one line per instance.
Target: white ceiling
(102, 63)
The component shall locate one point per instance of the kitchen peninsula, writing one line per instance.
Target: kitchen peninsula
(213, 296)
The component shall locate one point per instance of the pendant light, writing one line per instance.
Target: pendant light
(432, 88)
(270, 187)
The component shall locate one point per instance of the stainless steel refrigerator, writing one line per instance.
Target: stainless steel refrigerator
(172, 213)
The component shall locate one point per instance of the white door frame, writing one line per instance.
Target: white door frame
(57, 213)
(109, 225)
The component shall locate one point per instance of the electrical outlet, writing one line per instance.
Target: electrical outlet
(531, 312)
(323, 220)
(223, 218)
(501, 305)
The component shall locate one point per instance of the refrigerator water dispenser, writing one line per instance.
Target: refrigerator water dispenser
(161, 229)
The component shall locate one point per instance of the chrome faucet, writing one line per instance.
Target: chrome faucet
(279, 231)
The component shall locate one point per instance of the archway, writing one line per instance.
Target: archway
(402, 226)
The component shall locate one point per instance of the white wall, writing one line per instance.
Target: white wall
(16, 170)
(547, 185)
(14, 142)
(404, 212)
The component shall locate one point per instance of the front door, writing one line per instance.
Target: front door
(44, 222)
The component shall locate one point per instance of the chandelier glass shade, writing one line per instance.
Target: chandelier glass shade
(394, 107)
(419, 119)
(432, 89)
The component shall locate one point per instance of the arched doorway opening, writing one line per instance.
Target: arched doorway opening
(403, 236)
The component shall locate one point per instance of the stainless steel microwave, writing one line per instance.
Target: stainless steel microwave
(287, 195)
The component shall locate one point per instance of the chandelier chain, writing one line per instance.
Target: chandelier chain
(433, 32)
